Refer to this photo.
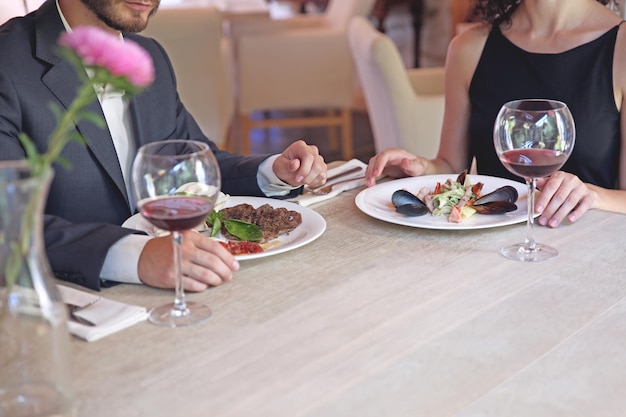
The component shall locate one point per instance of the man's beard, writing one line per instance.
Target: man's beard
(105, 11)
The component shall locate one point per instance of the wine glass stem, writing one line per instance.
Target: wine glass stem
(530, 237)
(179, 300)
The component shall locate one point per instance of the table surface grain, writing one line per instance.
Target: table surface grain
(376, 319)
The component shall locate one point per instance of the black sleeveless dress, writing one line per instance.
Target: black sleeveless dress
(581, 77)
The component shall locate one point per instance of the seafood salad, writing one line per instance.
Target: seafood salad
(456, 199)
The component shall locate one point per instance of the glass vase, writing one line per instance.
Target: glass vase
(35, 373)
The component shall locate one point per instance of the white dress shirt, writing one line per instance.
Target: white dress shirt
(122, 259)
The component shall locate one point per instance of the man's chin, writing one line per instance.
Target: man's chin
(134, 25)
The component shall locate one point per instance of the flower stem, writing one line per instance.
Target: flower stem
(60, 136)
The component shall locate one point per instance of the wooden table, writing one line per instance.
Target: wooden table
(375, 319)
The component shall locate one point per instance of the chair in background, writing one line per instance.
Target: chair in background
(416, 7)
(298, 63)
(203, 61)
(14, 8)
(302, 6)
(405, 106)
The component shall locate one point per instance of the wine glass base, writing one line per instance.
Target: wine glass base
(169, 315)
(521, 252)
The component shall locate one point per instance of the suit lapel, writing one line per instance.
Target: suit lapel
(58, 79)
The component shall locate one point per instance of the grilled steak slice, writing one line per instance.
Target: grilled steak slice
(273, 222)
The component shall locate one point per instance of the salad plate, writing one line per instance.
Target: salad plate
(312, 226)
(376, 202)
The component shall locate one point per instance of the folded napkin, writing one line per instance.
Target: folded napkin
(108, 316)
(344, 183)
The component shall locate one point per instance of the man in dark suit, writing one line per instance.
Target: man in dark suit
(87, 204)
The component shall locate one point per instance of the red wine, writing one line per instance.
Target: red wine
(533, 163)
(176, 213)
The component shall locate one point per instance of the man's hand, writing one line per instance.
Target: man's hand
(301, 164)
(205, 262)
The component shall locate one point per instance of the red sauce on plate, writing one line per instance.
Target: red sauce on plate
(242, 247)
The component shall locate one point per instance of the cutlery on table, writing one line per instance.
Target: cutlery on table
(73, 309)
(325, 189)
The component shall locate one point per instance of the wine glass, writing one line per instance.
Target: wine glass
(175, 184)
(533, 139)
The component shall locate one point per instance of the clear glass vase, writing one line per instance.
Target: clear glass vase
(35, 366)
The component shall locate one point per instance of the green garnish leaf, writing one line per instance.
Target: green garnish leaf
(215, 220)
(243, 230)
(238, 228)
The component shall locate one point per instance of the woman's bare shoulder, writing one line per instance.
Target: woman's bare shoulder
(470, 42)
(465, 50)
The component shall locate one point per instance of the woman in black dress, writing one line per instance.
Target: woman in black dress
(569, 50)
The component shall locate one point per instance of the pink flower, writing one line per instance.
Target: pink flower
(98, 48)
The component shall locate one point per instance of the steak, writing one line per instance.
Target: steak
(273, 222)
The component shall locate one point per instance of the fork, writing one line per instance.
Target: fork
(73, 309)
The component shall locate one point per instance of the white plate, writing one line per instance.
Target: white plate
(376, 202)
(312, 227)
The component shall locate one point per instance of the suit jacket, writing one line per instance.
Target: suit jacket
(88, 203)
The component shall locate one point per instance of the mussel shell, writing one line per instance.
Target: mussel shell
(461, 177)
(412, 209)
(408, 204)
(402, 197)
(495, 207)
(507, 193)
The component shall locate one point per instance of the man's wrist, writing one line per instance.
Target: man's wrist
(269, 182)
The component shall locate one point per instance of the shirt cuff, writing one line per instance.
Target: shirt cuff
(268, 182)
(122, 260)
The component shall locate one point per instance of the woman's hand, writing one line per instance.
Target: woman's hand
(563, 196)
(205, 262)
(396, 163)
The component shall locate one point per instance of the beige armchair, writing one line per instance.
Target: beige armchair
(14, 8)
(405, 106)
(203, 61)
(299, 63)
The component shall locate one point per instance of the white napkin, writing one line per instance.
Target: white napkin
(108, 315)
(344, 183)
